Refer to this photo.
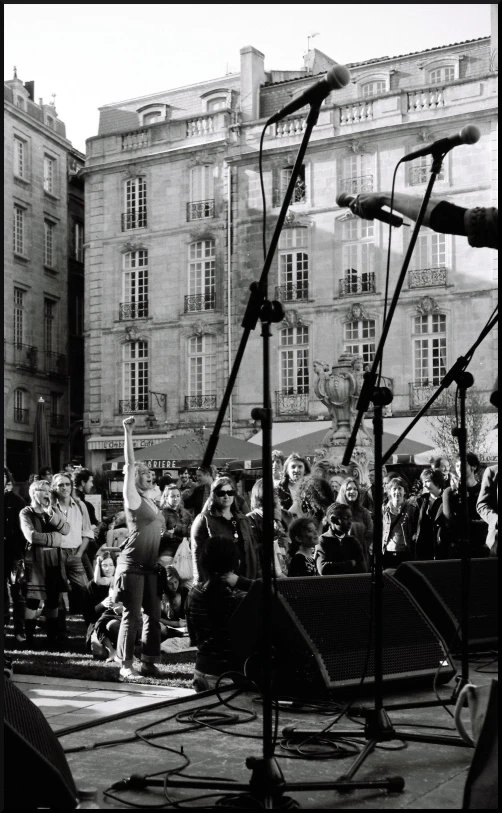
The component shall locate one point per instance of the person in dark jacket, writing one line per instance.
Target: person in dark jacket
(14, 545)
(477, 530)
(196, 501)
(295, 468)
(303, 534)
(209, 605)
(430, 515)
(178, 520)
(337, 551)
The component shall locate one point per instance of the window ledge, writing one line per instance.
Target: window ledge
(51, 196)
(49, 269)
(21, 181)
(21, 257)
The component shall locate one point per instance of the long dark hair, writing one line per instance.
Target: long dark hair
(215, 485)
(284, 482)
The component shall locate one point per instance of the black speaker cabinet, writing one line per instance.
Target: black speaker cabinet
(36, 773)
(321, 634)
(437, 587)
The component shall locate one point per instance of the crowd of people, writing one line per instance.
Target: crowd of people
(167, 571)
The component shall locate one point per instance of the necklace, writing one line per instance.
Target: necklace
(234, 525)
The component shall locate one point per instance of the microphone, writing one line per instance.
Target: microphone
(467, 135)
(337, 77)
(343, 199)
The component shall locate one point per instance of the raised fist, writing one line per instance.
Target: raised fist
(128, 423)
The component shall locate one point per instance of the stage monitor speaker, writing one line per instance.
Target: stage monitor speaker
(36, 771)
(437, 587)
(321, 628)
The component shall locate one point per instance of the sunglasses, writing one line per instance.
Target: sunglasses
(221, 493)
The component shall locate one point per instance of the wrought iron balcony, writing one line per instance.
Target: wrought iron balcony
(200, 401)
(134, 220)
(26, 355)
(57, 421)
(299, 193)
(292, 403)
(21, 415)
(55, 363)
(131, 405)
(364, 183)
(200, 209)
(289, 292)
(133, 310)
(420, 175)
(420, 394)
(200, 302)
(427, 277)
(362, 284)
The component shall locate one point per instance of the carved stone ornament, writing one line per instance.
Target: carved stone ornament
(424, 136)
(201, 158)
(201, 329)
(427, 305)
(132, 171)
(133, 334)
(201, 234)
(293, 319)
(357, 312)
(132, 245)
(357, 146)
(94, 419)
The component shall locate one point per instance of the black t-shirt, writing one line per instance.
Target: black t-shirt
(301, 565)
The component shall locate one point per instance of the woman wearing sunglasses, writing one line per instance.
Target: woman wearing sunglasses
(221, 517)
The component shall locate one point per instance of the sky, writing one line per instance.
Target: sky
(92, 54)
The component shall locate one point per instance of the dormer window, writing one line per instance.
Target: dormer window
(439, 71)
(372, 84)
(49, 122)
(20, 102)
(373, 88)
(441, 75)
(151, 118)
(216, 104)
(152, 114)
(216, 99)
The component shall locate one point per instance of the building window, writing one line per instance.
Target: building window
(79, 242)
(49, 167)
(50, 122)
(19, 157)
(57, 417)
(359, 339)
(358, 257)
(419, 171)
(357, 174)
(293, 264)
(151, 118)
(219, 103)
(281, 179)
(18, 316)
(201, 202)
(441, 75)
(21, 413)
(373, 88)
(429, 349)
(430, 250)
(294, 360)
(78, 326)
(202, 365)
(19, 213)
(49, 229)
(49, 325)
(135, 377)
(20, 102)
(201, 275)
(135, 284)
(135, 204)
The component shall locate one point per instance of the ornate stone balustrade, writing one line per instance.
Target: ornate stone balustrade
(427, 277)
(290, 127)
(356, 112)
(136, 139)
(200, 126)
(425, 99)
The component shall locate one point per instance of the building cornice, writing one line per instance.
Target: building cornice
(38, 126)
(151, 158)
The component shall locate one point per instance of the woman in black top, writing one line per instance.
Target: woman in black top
(430, 515)
(477, 530)
(304, 537)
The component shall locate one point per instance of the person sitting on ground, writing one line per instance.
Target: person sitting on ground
(399, 526)
(477, 530)
(178, 520)
(209, 606)
(281, 541)
(337, 551)
(362, 523)
(44, 527)
(487, 506)
(103, 632)
(430, 515)
(304, 537)
(295, 468)
(221, 517)
(173, 614)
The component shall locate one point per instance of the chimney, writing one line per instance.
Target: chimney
(252, 77)
(30, 87)
(41, 102)
(494, 34)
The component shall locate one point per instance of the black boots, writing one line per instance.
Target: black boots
(29, 630)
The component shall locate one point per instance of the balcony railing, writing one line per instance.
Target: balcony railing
(131, 405)
(25, 355)
(133, 310)
(136, 139)
(363, 284)
(425, 99)
(57, 421)
(200, 302)
(21, 415)
(290, 127)
(200, 126)
(296, 403)
(364, 183)
(427, 277)
(420, 394)
(420, 175)
(133, 220)
(200, 401)
(290, 292)
(200, 209)
(55, 363)
(356, 112)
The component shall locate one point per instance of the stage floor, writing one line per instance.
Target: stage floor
(434, 775)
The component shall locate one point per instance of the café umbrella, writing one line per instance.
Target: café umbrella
(41, 449)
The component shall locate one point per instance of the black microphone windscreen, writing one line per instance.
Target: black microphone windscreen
(470, 134)
(344, 199)
(338, 77)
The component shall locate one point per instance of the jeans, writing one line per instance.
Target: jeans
(77, 577)
(138, 593)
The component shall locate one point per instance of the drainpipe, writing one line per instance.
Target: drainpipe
(229, 290)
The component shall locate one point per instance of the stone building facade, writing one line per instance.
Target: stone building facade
(43, 254)
(174, 239)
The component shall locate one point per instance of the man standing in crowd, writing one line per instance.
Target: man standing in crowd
(197, 500)
(13, 548)
(75, 542)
